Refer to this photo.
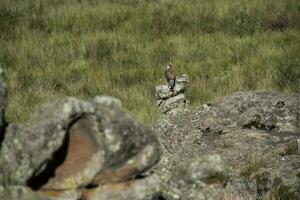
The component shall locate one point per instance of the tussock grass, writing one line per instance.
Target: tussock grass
(50, 49)
(254, 163)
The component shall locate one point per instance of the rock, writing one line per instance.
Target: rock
(261, 110)
(255, 133)
(62, 195)
(178, 101)
(108, 101)
(72, 143)
(168, 100)
(148, 188)
(25, 193)
(201, 178)
(21, 193)
(2, 106)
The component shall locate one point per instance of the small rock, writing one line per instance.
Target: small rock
(108, 101)
(201, 178)
(168, 100)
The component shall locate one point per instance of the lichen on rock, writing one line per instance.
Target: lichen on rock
(256, 133)
(202, 179)
(71, 143)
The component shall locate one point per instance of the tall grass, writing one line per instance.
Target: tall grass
(50, 49)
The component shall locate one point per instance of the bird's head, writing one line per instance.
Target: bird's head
(169, 66)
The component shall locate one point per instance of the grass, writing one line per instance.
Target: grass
(283, 192)
(253, 164)
(51, 49)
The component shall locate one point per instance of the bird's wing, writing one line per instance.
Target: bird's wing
(171, 74)
(167, 76)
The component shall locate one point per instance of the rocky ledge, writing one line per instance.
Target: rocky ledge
(256, 133)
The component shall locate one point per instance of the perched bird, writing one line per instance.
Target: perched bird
(170, 76)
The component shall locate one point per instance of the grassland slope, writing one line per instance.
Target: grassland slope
(50, 49)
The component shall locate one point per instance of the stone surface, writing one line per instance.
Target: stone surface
(2, 105)
(256, 133)
(73, 143)
(108, 101)
(262, 110)
(178, 101)
(21, 193)
(201, 178)
(62, 195)
(148, 188)
(169, 101)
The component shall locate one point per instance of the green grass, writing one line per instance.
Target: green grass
(51, 49)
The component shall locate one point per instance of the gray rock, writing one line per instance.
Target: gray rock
(73, 143)
(256, 133)
(3, 94)
(108, 101)
(61, 195)
(21, 193)
(25, 193)
(148, 188)
(201, 178)
(178, 101)
(261, 110)
(168, 100)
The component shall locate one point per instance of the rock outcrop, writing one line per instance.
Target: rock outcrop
(170, 102)
(73, 144)
(255, 133)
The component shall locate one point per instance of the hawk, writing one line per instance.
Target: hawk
(170, 76)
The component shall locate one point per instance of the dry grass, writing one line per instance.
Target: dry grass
(254, 163)
(51, 49)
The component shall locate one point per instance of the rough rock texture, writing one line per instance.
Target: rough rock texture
(21, 193)
(169, 102)
(25, 193)
(61, 195)
(200, 179)
(73, 143)
(148, 188)
(2, 105)
(256, 133)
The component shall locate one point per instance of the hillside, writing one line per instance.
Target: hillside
(244, 146)
(51, 49)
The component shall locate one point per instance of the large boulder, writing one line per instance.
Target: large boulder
(262, 110)
(73, 143)
(169, 102)
(256, 133)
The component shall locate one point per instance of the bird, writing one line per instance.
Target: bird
(170, 77)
